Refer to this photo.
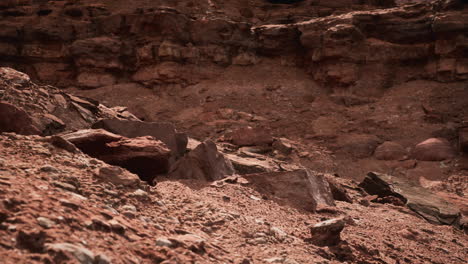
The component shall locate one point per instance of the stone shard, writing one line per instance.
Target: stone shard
(422, 201)
(328, 233)
(300, 188)
(433, 149)
(205, 162)
(166, 132)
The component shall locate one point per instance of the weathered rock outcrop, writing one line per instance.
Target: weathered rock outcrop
(144, 156)
(299, 188)
(166, 132)
(425, 203)
(27, 108)
(92, 46)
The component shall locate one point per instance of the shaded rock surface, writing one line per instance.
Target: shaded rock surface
(144, 156)
(205, 162)
(425, 203)
(299, 188)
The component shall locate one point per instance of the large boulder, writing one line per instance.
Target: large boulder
(205, 162)
(422, 201)
(433, 149)
(144, 156)
(300, 188)
(390, 151)
(166, 132)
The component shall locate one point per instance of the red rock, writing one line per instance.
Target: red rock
(433, 149)
(390, 151)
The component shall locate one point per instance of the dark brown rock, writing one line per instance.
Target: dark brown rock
(425, 203)
(433, 149)
(14, 119)
(300, 188)
(31, 239)
(202, 163)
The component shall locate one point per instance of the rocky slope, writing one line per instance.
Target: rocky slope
(236, 132)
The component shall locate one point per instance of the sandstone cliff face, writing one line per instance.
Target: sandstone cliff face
(93, 45)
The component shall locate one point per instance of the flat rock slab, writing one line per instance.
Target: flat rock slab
(300, 188)
(422, 201)
(166, 132)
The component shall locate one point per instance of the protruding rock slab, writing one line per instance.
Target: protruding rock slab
(433, 149)
(205, 162)
(425, 203)
(300, 188)
(328, 233)
(166, 132)
(144, 156)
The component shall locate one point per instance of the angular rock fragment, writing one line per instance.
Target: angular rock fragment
(300, 188)
(433, 149)
(328, 233)
(202, 163)
(14, 119)
(118, 176)
(166, 132)
(425, 203)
